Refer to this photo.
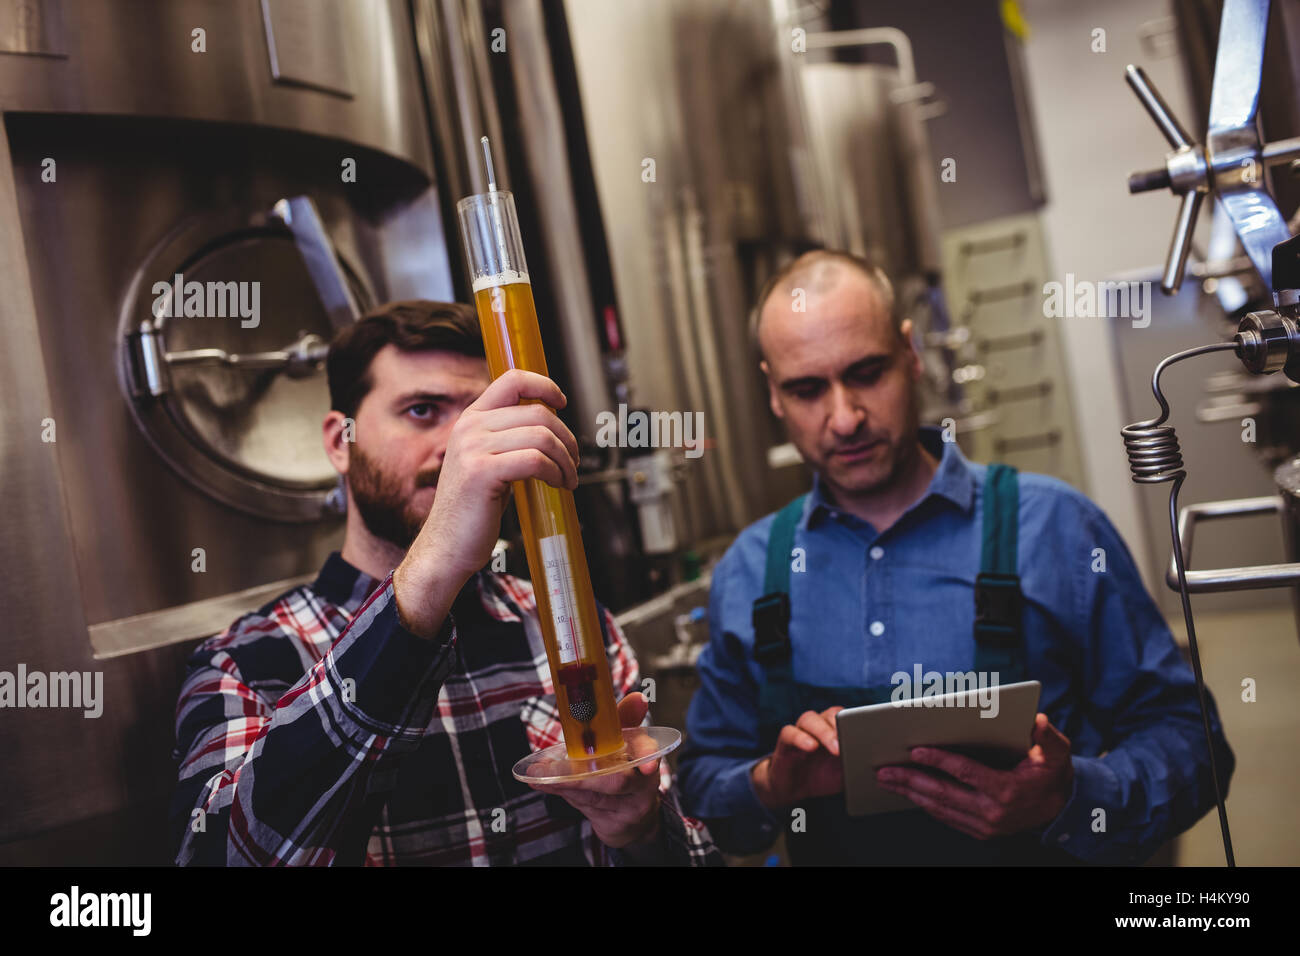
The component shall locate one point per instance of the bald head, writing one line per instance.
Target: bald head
(842, 373)
(813, 276)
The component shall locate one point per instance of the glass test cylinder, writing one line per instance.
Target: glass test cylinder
(566, 604)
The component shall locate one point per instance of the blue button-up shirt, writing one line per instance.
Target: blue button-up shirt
(870, 604)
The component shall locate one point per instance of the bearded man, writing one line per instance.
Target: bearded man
(373, 716)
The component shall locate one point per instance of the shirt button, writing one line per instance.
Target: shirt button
(877, 628)
(877, 553)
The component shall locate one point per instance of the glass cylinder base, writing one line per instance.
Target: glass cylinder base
(640, 745)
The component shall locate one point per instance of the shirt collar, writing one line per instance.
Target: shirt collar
(342, 584)
(952, 480)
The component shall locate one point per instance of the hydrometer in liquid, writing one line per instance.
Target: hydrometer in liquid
(594, 740)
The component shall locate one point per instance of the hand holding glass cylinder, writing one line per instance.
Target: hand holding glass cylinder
(571, 629)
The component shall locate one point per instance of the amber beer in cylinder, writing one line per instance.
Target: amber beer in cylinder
(566, 605)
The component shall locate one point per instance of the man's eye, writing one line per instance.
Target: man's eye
(424, 411)
(869, 377)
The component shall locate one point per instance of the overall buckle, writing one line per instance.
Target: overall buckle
(998, 608)
(771, 619)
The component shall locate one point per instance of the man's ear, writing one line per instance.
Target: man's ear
(913, 357)
(338, 432)
(773, 399)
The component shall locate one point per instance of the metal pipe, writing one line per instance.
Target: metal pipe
(1284, 150)
(1229, 579)
(871, 36)
(542, 122)
(1181, 243)
(1158, 109)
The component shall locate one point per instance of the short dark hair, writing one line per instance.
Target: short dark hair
(808, 261)
(415, 325)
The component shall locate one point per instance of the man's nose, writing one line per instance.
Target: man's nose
(438, 450)
(846, 414)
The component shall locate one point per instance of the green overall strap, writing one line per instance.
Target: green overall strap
(998, 600)
(771, 618)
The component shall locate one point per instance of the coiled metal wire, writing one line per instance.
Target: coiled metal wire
(1154, 457)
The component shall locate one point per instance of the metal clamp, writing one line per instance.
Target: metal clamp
(1229, 579)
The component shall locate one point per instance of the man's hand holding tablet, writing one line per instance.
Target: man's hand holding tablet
(984, 802)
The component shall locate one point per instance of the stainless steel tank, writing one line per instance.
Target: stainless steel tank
(704, 177)
(141, 141)
(723, 146)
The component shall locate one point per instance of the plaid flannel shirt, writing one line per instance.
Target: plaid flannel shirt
(318, 731)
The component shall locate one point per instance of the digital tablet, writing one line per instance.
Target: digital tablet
(994, 725)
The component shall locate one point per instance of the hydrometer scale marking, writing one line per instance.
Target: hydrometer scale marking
(560, 587)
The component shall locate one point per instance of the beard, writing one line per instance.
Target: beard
(382, 502)
(871, 477)
(891, 462)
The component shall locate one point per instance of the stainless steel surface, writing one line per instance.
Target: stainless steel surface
(1181, 243)
(1282, 151)
(112, 44)
(34, 29)
(1229, 579)
(876, 178)
(247, 436)
(1186, 175)
(542, 127)
(46, 624)
(144, 632)
(1287, 479)
(453, 51)
(1232, 162)
(1155, 105)
(320, 258)
(306, 43)
(895, 39)
(155, 143)
(1223, 460)
(1234, 97)
(888, 140)
(300, 358)
(1268, 341)
(703, 172)
(854, 125)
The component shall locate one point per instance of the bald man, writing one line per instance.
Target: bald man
(874, 576)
